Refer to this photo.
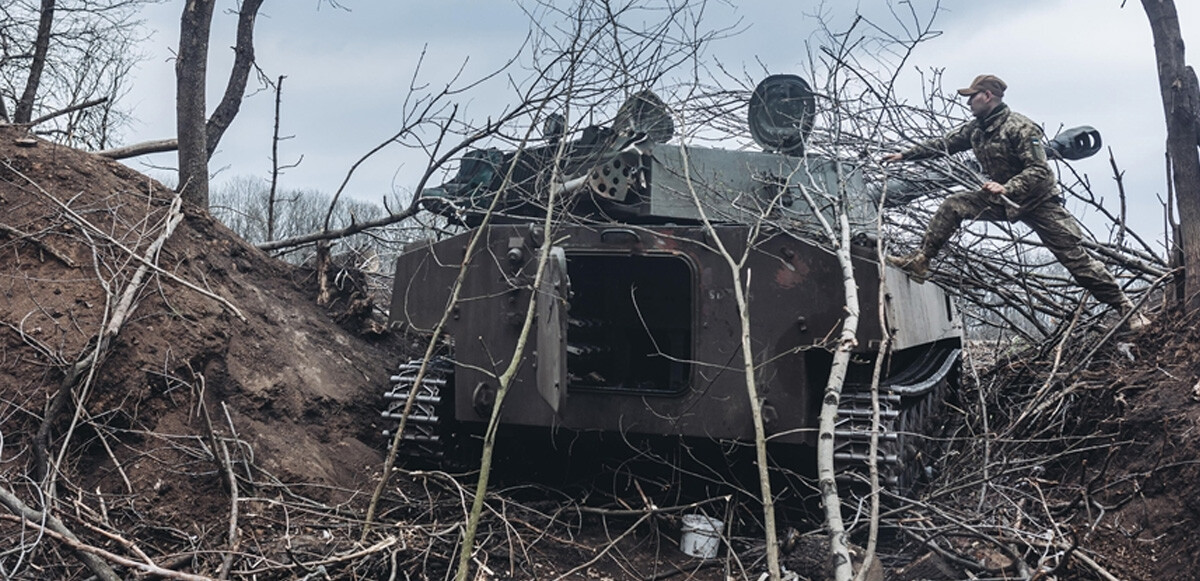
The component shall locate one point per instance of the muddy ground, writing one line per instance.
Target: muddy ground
(228, 365)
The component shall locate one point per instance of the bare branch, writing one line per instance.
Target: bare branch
(138, 149)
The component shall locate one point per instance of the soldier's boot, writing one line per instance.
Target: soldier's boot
(916, 265)
(1136, 321)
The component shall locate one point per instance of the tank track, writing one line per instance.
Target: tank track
(425, 433)
(909, 404)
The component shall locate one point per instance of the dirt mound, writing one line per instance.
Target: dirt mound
(1143, 490)
(223, 343)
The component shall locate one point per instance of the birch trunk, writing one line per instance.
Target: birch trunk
(826, 476)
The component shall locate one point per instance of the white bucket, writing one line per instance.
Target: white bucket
(700, 536)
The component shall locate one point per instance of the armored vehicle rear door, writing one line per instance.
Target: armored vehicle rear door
(552, 330)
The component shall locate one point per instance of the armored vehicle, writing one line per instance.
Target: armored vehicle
(637, 329)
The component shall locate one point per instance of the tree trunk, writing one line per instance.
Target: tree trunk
(1180, 95)
(271, 195)
(190, 75)
(839, 548)
(243, 61)
(41, 46)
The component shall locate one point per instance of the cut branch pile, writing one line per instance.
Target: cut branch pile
(1054, 451)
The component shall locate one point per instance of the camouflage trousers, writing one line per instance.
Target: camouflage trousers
(1052, 222)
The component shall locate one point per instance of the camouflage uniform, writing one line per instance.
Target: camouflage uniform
(1008, 146)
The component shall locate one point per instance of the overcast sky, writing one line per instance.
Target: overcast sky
(1067, 63)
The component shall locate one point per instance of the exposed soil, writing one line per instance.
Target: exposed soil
(293, 398)
(1145, 489)
(299, 390)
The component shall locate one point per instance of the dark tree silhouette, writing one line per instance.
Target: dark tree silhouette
(1181, 101)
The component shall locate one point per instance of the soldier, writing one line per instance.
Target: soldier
(1021, 187)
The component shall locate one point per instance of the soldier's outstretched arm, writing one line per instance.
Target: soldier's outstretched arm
(954, 142)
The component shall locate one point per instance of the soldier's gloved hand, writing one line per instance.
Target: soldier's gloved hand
(891, 157)
(994, 188)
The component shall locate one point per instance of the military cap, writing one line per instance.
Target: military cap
(982, 83)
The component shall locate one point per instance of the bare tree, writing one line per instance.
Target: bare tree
(198, 137)
(41, 46)
(1181, 104)
(191, 80)
(65, 64)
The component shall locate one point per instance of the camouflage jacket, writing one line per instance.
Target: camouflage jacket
(1009, 149)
